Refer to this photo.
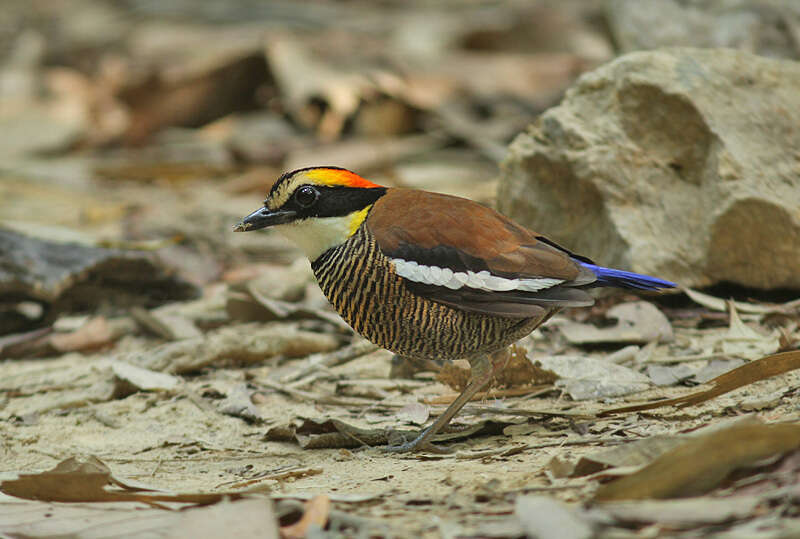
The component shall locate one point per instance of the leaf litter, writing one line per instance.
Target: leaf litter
(156, 151)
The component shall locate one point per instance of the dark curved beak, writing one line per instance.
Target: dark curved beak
(264, 217)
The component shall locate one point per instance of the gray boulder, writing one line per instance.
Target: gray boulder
(682, 163)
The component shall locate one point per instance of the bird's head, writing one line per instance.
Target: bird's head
(317, 208)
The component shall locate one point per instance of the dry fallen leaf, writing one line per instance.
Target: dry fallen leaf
(317, 510)
(682, 513)
(414, 412)
(76, 480)
(638, 322)
(743, 341)
(636, 453)
(585, 377)
(700, 464)
(754, 371)
(94, 334)
(518, 371)
(719, 304)
(140, 379)
(547, 518)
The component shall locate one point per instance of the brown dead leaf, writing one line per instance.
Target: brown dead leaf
(335, 434)
(317, 511)
(749, 373)
(454, 376)
(636, 453)
(700, 464)
(96, 333)
(519, 371)
(76, 480)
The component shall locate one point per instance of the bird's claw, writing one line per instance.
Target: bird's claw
(420, 443)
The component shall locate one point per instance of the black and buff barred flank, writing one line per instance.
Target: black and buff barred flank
(361, 284)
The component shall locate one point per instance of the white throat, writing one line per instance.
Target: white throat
(315, 236)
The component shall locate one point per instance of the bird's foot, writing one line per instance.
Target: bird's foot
(420, 443)
(413, 446)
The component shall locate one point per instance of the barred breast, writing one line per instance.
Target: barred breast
(362, 286)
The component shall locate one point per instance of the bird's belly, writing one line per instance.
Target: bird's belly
(362, 286)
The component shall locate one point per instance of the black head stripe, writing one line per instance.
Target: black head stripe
(286, 175)
(336, 201)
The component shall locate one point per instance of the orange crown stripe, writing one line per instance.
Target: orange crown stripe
(335, 176)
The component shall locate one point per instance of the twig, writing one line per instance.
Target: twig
(530, 413)
(312, 397)
(495, 394)
(330, 359)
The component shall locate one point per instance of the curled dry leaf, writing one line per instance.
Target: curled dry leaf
(638, 453)
(700, 464)
(518, 371)
(743, 341)
(719, 304)
(130, 379)
(754, 371)
(317, 511)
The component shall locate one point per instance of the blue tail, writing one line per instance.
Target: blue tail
(625, 279)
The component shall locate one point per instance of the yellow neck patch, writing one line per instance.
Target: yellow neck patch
(356, 218)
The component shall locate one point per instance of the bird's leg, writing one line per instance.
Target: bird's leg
(482, 369)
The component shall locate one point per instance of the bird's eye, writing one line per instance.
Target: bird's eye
(306, 196)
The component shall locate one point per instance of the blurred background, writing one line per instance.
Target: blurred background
(136, 120)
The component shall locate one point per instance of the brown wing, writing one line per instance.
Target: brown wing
(442, 231)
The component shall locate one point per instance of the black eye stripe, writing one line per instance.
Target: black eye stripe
(333, 201)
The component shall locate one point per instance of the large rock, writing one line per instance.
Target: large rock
(683, 163)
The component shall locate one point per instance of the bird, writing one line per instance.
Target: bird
(430, 276)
